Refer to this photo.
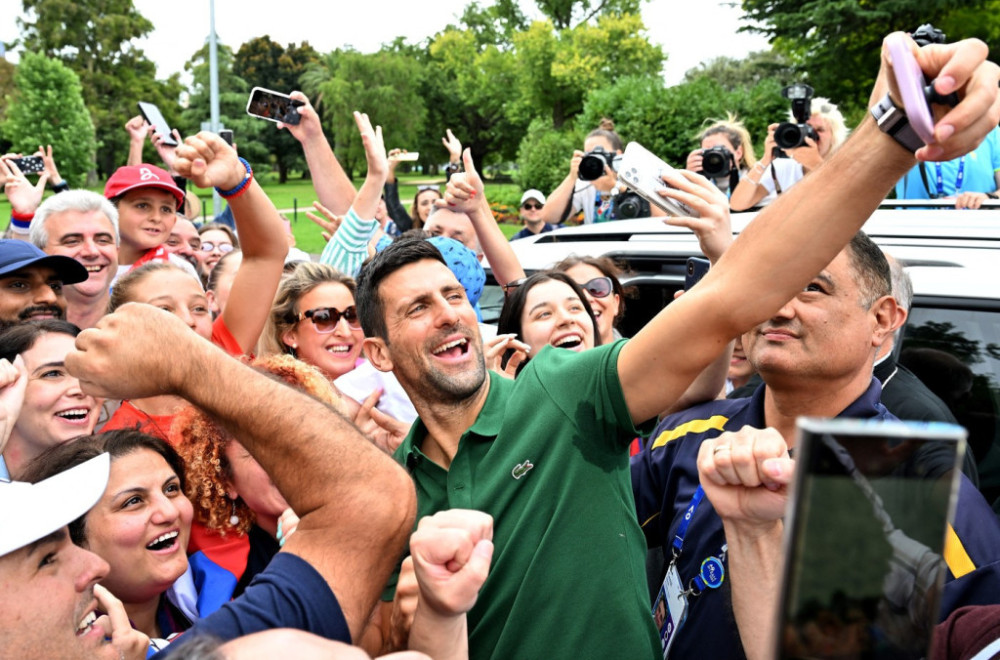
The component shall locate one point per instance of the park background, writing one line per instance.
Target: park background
(520, 82)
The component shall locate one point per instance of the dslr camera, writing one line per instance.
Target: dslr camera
(593, 163)
(790, 135)
(717, 162)
(630, 205)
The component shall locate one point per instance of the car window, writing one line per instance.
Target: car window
(956, 353)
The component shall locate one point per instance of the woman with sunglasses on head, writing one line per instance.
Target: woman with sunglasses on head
(313, 318)
(208, 161)
(599, 279)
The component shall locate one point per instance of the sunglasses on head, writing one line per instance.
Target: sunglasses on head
(599, 287)
(208, 246)
(326, 318)
(423, 188)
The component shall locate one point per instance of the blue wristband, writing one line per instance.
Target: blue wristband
(238, 189)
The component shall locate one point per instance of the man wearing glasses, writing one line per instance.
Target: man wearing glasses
(532, 202)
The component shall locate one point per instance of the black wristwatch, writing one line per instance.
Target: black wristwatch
(892, 121)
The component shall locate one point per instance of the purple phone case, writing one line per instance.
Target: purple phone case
(911, 82)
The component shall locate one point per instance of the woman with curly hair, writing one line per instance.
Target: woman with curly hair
(236, 505)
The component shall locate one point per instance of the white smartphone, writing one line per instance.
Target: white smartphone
(407, 156)
(642, 171)
(154, 118)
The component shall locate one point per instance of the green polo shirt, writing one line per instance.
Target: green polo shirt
(547, 457)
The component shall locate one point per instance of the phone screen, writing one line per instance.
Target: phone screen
(154, 118)
(273, 106)
(864, 555)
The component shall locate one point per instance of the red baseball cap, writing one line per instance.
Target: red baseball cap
(132, 177)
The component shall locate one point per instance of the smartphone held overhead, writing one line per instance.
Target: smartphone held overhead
(643, 171)
(29, 164)
(154, 118)
(274, 106)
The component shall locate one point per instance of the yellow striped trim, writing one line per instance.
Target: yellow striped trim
(958, 560)
(715, 422)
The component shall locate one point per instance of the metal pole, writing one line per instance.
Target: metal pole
(213, 72)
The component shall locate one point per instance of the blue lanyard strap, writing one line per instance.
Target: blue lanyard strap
(712, 571)
(959, 177)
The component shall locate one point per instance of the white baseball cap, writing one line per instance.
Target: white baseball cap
(29, 512)
(533, 194)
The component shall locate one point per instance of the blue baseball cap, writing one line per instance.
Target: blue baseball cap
(15, 255)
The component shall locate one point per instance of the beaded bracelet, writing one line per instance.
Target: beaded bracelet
(242, 187)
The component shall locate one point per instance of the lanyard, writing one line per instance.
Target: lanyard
(712, 570)
(959, 178)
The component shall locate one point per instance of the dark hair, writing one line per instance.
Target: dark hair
(117, 443)
(415, 210)
(610, 268)
(513, 306)
(18, 338)
(606, 130)
(871, 269)
(401, 252)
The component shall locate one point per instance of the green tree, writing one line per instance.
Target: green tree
(732, 73)
(233, 95)
(837, 43)
(262, 62)
(6, 88)
(543, 156)
(384, 84)
(47, 108)
(95, 38)
(567, 13)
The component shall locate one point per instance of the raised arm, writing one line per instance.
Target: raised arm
(355, 503)
(465, 193)
(333, 188)
(749, 191)
(137, 130)
(347, 248)
(208, 161)
(793, 238)
(560, 198)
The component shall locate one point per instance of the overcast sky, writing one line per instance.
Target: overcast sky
(690, 31)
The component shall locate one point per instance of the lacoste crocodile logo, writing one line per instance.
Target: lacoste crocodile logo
(521, 469)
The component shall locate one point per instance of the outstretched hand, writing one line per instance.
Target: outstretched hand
(329, 223)
(309, 126)
(378, 163)
(464, 190)
(959, 67)
(453, 145)
(24, 197)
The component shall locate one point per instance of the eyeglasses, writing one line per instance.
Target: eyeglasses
(528, 206)
(423, 188)
(208, 246)
(599, 287)
(326, 318)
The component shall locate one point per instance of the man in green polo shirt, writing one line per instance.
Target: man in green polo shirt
(546, 454)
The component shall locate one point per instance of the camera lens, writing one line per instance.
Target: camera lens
(789, 136)
(591, 167)
(716, 162)
(630, 205)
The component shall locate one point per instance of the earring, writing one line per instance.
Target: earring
(295, 346)
(234, 519)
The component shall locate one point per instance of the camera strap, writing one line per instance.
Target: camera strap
(774, 177)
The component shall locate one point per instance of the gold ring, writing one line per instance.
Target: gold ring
(720, 448)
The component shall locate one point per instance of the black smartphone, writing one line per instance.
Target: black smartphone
(273, 106)
(227, 135)
(864, 538)
(29, 164)
(697, 267)
(154, 118)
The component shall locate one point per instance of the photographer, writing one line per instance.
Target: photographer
(729, 152)
(585, 188)
(780, 169)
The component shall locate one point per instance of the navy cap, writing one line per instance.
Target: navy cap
(15, 255)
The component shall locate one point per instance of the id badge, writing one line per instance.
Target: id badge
(670, 609)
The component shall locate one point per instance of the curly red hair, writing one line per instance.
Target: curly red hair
(202, 443)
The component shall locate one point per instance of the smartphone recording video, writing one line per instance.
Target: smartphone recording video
(273, 106)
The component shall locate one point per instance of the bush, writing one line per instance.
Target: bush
(543, 156)
(47, 108)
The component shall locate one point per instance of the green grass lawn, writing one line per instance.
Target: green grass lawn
(298, 193)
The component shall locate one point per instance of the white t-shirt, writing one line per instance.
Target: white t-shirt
(788, 171)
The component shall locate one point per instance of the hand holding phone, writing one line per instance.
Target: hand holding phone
(911, 82)
(642, 171)
(154, 118)
(29, 164)
(274, 106)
